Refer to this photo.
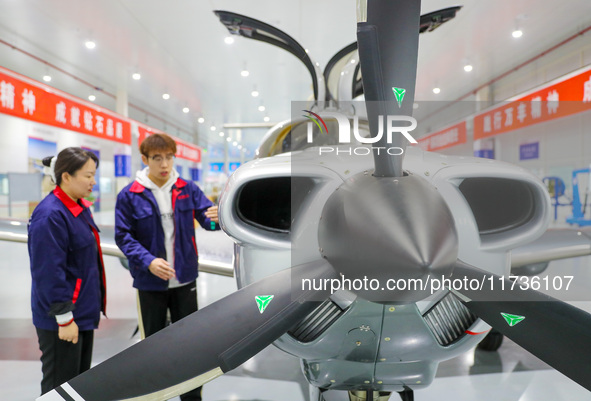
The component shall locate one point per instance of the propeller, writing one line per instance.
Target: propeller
(554, 331)
(204, 345)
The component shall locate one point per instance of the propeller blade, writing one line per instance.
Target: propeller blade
(554, 331)
(202, 346)
(388, 49)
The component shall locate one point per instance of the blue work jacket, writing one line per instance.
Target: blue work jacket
(67, 268)
(140, 236)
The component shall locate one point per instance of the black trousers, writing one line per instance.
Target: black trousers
(62, 360)
(153, 307)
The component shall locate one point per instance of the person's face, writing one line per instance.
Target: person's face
(80, 184)
(160, 163)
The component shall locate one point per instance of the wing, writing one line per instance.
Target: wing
(215, 248)
(554, 244)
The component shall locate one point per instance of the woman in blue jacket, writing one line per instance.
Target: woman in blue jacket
(68, 277)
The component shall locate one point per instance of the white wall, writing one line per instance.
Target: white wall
(14, 137)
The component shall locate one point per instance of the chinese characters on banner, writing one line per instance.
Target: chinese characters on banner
(446, 138)
(570, 95)
(24, 98)
(184, 150)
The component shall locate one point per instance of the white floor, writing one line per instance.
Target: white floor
(512, 374)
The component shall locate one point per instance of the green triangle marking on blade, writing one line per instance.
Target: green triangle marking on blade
(399, 94)
(512, 320)
(263, 301)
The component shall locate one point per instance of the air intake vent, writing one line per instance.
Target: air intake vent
(316, 323)
(449, 319)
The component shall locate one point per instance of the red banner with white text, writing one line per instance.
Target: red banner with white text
(564, 97)
(25, 98)
(184, 150)
(446, 138)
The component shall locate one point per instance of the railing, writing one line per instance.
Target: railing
(16, 231)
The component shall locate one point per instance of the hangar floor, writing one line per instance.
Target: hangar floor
(510, 374)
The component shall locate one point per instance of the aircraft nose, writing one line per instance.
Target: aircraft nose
(393, 232)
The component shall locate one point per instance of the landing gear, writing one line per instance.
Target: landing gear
(370, 395)
(492, 341)
(407, 395)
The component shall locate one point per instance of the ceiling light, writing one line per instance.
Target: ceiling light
(221, 134)
(165, 96)
(517, 33)
(90, 44)
(234, 143)
(213, 128)
(47, 78)
(136, 76)
(254, 93)
(468, 67)
(92, 98)
(228, 139)
(261, 108)
(228, 40)
(239, 146)
(201, 120)
(185, 110)
(244, 73)
(436, 90)
(266, 119)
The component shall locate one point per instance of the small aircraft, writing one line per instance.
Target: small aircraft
(370, 264)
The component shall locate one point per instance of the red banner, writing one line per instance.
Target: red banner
(446, 138)
(25, 98)
(184, 150)
(567, 96)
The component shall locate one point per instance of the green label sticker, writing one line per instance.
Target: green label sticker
(512, 320)
(212, 224)
(399, 94)
(263, 301)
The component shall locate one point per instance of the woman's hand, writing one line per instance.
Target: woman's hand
(69, 333)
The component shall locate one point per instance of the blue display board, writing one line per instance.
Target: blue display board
(122, 166)
(485, 153)
(216, 167)
(529, 151)
(195, 173)
(233, 166)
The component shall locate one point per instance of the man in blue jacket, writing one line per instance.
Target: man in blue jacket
(154, 227)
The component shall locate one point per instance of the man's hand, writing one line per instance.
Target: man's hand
(212, 214)
(161, 268)
(69, 333)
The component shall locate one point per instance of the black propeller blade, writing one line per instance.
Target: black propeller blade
(554, 331)
(388, 50)
(204, 345)
(428, 23)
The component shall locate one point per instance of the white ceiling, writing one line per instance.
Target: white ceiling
(178, 47)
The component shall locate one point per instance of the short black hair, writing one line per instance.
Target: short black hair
(69, 161)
